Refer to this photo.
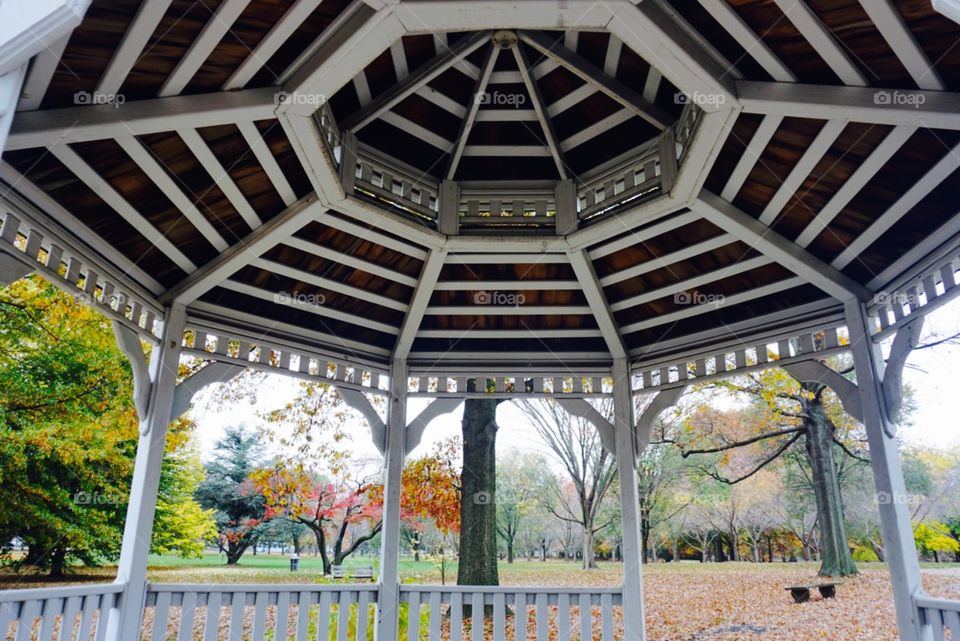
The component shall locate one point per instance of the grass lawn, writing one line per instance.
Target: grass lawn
(684, 601)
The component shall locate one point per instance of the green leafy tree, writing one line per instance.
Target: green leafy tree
(239, 509)
(68, 429)
(524, 482)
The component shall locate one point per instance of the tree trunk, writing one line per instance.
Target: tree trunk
(478, 515)
(58, 561)
(734, 544)
(509, 550)
(834, 547)
(588, 561)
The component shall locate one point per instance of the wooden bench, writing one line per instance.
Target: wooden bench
(801, 593)
(364, 572)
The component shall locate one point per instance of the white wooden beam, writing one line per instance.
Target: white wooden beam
(857, 180)
(611, 59)
(933, 109)
(808, 160)
(27, 28)
(10, 87)
(539, 107)
(755, 47)
(666, 260)
(267, 160)
(761, 138)
(200, 49)
(349, 260)
(942, 241)
(144, 159)
(651, 84)
(362, 211)
(907, 201)
(260, 240)
(430, 16)
(572, 98)
(822, 41)
(41, 73)
(204, 155)
(661, 402)
(594, 130)
(271, 43)
(419, 303)
(134, 40)
(507, 285)
(799, 261)
(399, 59)
(498, 334)
(888, 21)
(506, 115)
(398, 92)
(705, 308)
(591, 74)
(309, 144)
(638, 236)
(441, 100)
(472, 111)
(349, 20)
(597, 301)
(371, 234)
(417, 131)
(359, 401)
(72, 161)
(506, 259)
(481, 309)
(129, 343)
(417, 426)
(535, 151)
(98, 122)
(583, 409)
(210, 374)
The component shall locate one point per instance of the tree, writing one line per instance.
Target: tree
(239, 510)
(68, 429)
(524, 481)
(478, 517)
(590, 468)
(181, 525)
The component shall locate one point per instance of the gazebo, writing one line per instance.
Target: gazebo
(567, 199)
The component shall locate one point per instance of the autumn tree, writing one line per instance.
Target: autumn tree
(239, 510)
(589, 468)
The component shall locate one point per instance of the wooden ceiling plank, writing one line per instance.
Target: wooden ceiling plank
(589, 73)
(132, 45)
(211, 164)
(639, 236)
(539, 107)
(886, 17)
(200, 49)
(801, 262)
(748, 159)
(266, 159)
(350, 261)
(427, 72)
(857, 180)
(368, 233)
(811, 156)
(755, 47)
(72, 161)
(907, 201)
(822, 41)
(41, 73)
(660, 262)
(144, 159)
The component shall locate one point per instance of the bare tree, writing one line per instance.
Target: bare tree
(590, 468)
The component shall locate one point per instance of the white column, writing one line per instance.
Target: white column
(898, 544)
(633, 623)
(132, 569)
(389, 600)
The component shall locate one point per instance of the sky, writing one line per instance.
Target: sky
(931, 373)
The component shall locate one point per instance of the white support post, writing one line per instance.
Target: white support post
(633, 623)
(387, 625)
(132, 568)
(898, 544)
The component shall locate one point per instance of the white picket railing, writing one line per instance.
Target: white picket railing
(552, 614)
(75, 613)
(181, 612)
(937, 616)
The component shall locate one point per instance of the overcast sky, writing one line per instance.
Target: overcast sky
(932, 373)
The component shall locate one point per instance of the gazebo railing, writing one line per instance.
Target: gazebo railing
(937, 616)
(58, 614)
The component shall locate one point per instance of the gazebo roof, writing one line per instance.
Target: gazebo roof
(666, 181)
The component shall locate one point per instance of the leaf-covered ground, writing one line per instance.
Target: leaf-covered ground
(684, 602)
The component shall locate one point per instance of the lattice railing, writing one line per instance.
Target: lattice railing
(685, 128)
(395, 187)
(938, 617)
(484, 211)
(626, 184)
(77, 276)
(329, 131)
(210, 344)
(891, 309)
(729, 362)
(500, 385)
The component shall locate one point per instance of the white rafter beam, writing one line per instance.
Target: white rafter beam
(27, 28)
(398, 92)
(481, 309)
(597, 301)
(666, 260)
(200, 49)
(591, 74)
(934, 109)
(267, 160)
(507, 285)
(539, 107)
(41, 73)
(134, 40)
(419, 303)
(801, 262)
(886, 17)
(822, 41)
(466, 125)
(761, 138)
(350, 261)
(98, 122)
(907, 201)
(755, 47)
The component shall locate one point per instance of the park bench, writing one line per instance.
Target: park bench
(801, 593)
(364, 572)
